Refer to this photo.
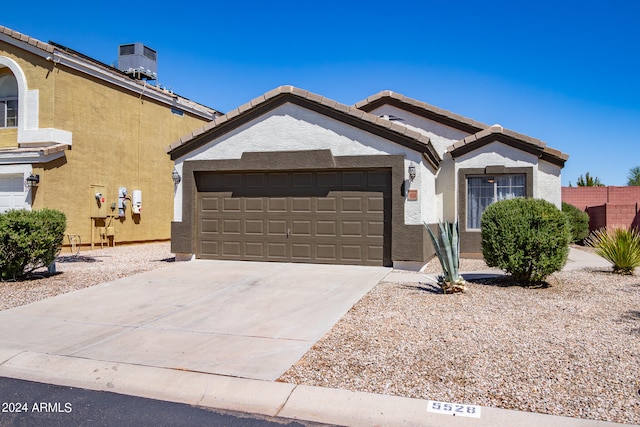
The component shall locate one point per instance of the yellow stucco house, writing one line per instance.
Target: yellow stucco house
(88, 139)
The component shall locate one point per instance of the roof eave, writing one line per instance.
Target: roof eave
(421, 109)
(330, 108)
(529, 145)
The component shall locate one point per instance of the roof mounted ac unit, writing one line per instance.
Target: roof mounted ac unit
(138, 60)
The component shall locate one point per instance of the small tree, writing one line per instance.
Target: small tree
(528, 238)
(29, 240)
(589, 181)
(578, 222)
(634, 176)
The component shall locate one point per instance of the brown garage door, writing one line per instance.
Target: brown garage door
(338, 217)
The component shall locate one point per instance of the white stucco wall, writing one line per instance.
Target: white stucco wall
(546, 176)
(441, 136)
(446, 189)
(548, 183)
(291, 127)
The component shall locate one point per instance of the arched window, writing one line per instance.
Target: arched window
(8, 99)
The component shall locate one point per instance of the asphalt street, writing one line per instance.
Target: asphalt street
(26, 403)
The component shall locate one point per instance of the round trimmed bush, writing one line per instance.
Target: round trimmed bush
(528, 238)
(29, 240)
(578, 222)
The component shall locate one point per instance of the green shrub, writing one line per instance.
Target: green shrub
(578, 222)
(621, 247)
(29, 240)
(528, 238)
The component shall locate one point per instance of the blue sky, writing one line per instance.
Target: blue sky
(564, 72)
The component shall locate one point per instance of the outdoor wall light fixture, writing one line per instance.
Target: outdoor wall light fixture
(412, 172)
(176, 177)
(33, 181)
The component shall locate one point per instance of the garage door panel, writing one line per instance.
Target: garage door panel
(378, 180)
(328, 179)
(231, 180)
(255, 180)
(375, 204)
(254, 249)
(375, 229)
(327, 204)
(352, 204)
(351, 252)
(278, 180)
(375, 253)
(210, 204)
(209, 226)
(301, 228)
(254, 227)
(231, 249)
(302, 180)
(351, 228)
(327, 252)
(327, 228)
(277, 204)
(354, 179)
(276, 227)
(210, 248)
(301, 251)
(276, 250)
(231, 226)
(230, 204)
(323, 217)
(301, 204)
(254, 204)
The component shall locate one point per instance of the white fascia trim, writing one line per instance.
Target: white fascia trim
(24, 45)
(42, 136)
(30, 157)
(124, 82)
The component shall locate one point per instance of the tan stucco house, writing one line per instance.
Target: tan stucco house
(293, 176)
(80, 132)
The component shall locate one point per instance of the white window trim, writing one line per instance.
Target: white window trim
(29, 132)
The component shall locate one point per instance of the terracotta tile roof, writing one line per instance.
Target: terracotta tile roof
(278, 96)
(422, 109)
(509, 137)
(481, 133)
(29, 40)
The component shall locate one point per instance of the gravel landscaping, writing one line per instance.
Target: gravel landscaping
(86, 269)
(572, 348)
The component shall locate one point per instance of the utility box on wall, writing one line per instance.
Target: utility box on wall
(136, 202)
(98, 201)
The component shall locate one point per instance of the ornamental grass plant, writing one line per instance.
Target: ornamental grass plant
(619, 246)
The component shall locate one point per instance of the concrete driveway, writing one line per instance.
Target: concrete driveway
(244, 319)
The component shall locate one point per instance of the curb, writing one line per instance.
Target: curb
(300, 402)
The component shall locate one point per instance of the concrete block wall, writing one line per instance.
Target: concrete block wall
(606, 206)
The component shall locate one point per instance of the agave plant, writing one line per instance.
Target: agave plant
(621, 247)
(447, 248)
